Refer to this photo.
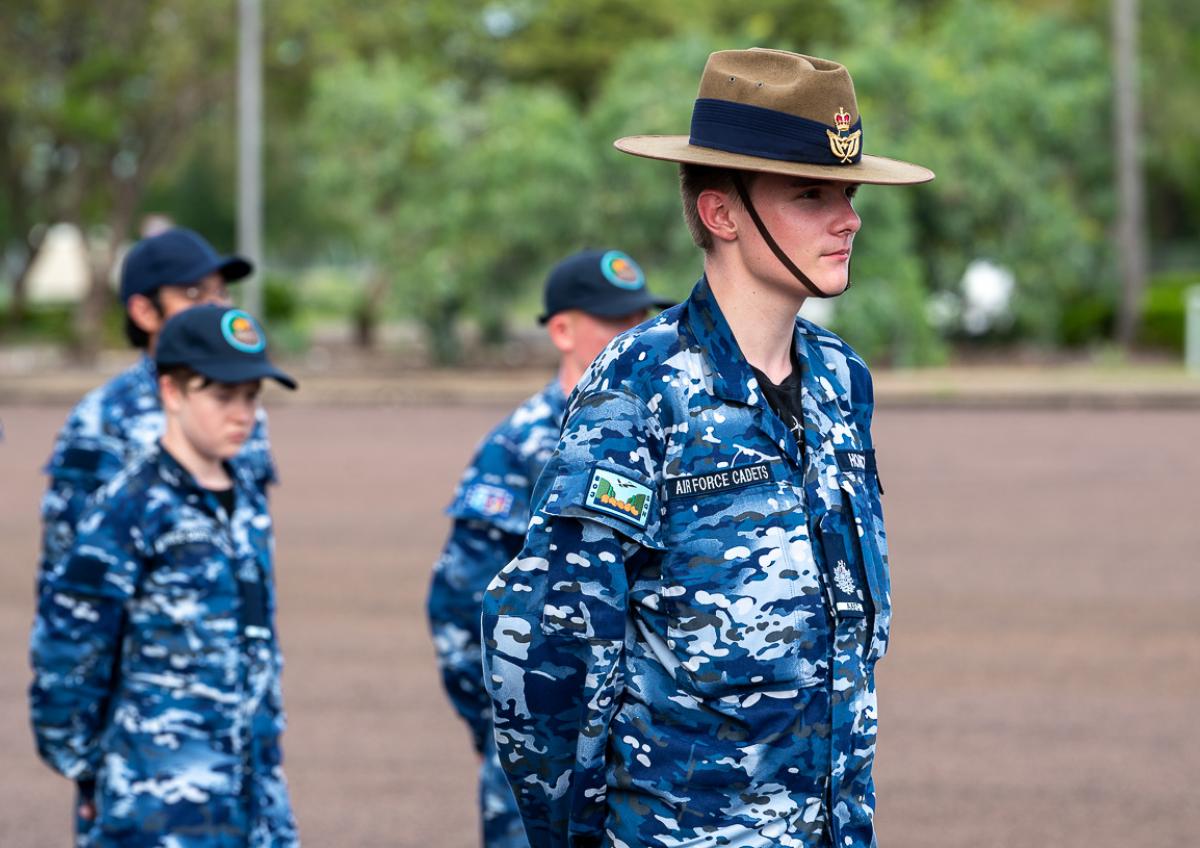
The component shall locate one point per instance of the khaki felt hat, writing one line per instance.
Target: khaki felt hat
(778, 113)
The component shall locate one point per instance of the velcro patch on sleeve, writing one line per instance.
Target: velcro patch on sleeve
(617, 495)
(488, 500)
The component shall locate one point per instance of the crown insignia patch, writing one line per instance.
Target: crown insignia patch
(843, 578)
(844, 144)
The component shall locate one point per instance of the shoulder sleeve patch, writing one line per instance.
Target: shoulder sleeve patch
(486, 500)
(617, 495)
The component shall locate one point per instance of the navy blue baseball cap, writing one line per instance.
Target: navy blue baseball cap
(602, 283)
(219, 342)
(176, 257)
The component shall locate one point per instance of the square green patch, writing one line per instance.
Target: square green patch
(617, 495)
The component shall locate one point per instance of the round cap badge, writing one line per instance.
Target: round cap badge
(620, 270)
(241, 332)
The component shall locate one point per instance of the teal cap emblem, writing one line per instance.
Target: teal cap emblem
(620, 270)
(242, 333)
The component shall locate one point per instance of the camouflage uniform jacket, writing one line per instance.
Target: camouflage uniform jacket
(156, 667)
(490, 512)
(107, 430)
(683, 652)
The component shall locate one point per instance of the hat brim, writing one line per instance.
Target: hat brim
(240, 372)
(874, 170)
(616, 308)
(234, 268)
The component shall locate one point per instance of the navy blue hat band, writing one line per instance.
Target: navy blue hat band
(755, 131)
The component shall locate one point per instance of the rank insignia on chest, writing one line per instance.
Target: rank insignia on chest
(488, 500)
(847, 587)
(617, 495)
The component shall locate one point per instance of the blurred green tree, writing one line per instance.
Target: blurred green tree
(461, 204)
(1011, 109)
(96, 99)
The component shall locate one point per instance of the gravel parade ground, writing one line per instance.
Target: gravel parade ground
(1040, 689)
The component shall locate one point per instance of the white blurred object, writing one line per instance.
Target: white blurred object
(818, 310)
(1192, 332)
(60, 272)
(987, 292)
(155, 223)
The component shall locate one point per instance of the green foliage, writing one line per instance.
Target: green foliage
(1006, 107)
(1164, 311)
(445, 155)
(280, 299)
(634, 204)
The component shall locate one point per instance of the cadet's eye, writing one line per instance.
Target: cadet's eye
(851, 191)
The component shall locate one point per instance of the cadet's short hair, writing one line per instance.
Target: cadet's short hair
(695, 179)
(182, 376)
(136, 335)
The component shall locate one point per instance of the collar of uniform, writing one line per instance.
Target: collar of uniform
(825, 383)
(824, 392)
(179, 477)
(147, 373)
(706, 324)
(556, 399)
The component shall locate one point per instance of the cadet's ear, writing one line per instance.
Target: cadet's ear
(170, 394)
(561, 328)
(714, 207)
(144, 314)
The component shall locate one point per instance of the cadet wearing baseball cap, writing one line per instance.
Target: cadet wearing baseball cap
(161, 276)
(162, 702)
(589, 298)
(683, 652)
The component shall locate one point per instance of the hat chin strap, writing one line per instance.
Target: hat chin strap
(740, 185)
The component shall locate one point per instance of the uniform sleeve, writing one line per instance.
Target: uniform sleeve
(76, 638)
(473, 555)
(79, 466)
(555, 618)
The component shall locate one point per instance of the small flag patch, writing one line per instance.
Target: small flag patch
(488, 500)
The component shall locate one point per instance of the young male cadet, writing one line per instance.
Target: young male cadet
(683, 652)
(589, 298)
(162, 275)
(156, 666)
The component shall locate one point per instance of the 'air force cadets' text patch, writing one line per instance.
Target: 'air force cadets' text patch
(719, 481)
(617, 495)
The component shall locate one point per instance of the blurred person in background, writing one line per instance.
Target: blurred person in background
(589, 298)
(161, 276)
(683, 652)
(156, 666)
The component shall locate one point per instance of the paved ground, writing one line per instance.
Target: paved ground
(1040, 690)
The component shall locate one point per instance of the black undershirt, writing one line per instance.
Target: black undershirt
(225, 499)
(786, 400)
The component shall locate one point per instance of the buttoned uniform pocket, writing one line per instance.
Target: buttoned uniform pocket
(861, 491)
(744, 602)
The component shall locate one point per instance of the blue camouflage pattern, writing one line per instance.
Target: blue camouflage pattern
(490, 512)
(157, 669)
(110, 428)
(698, 670)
